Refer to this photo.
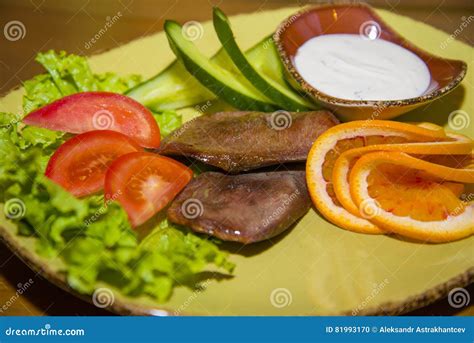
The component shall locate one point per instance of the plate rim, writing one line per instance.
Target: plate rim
(122, 307)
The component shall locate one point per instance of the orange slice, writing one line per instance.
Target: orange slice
(357, 134)
(412, 197)
(456, 154)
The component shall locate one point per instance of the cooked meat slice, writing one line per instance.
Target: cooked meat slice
(244, 208)
(240, 141)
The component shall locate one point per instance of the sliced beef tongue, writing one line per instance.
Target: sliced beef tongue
(241, 141)
(244, 208)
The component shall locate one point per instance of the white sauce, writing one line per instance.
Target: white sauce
(353, 67)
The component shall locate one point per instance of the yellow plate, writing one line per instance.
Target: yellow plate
(316, 268)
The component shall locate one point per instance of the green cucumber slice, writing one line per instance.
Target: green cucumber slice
(174, 87)
(224, 84)
(275, 89)
(171, 89)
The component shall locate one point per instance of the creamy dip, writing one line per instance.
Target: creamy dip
(353, 67)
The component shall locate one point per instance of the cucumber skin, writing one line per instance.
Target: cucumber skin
(226, 37)
(155, 92)
(163, 83)
(229, 95)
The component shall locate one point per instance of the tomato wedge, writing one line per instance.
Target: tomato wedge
(80, 163)
(89, 111)
(144, 183)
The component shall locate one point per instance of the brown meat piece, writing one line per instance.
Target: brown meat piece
(240, 141)
(245, 208)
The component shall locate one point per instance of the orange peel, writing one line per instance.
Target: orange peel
(412, 197)
(441, 161)
(343, 165)
(335, 141)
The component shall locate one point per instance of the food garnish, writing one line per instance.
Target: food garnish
(281, 95)
(457, 146)
(239, 141)
(93, 242)
(412, 197)
(374, 176)
(245, 208)
(80, 163)
(237, 92)
(331, 177)
(88, 111)
(144, 183)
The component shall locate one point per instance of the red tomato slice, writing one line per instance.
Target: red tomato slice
(80, 163)
(89, 111)
(144, 183)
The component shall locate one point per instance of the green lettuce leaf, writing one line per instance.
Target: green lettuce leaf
(69, 74)
(168, 121)
(93, 239)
